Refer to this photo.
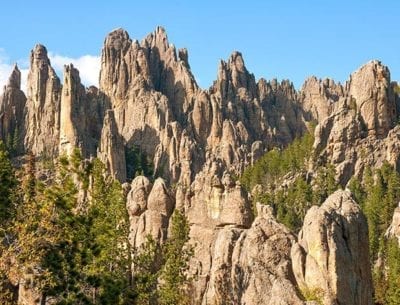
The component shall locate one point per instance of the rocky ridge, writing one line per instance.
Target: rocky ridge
(199, 140)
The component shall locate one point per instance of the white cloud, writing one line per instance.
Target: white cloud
(88, 66)
(5, 71)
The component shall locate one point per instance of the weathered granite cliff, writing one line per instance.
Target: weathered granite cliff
(12, 104)
(198, 141)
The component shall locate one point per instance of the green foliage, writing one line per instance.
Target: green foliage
(137, 163)
(353, 104)
(325, 183)
(8, 184)
(74, 250)
(146, 272)
(378, 194)
(107, 253)
(315, 295)
(292, 204)
(71, 251)
(292, 200)
(173, 277)
(12, 142)
(393, 277)
(276, 163)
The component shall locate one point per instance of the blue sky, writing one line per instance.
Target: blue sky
(278, 39)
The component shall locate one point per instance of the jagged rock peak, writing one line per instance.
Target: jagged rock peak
(117, 39)
(375, 65)
(319, 84)
(39, 55)
(158, 39)
(370, 90)
(319, 96)
(236, 62)
(14, 81)
(233, 75)
(43, 105)
(70, 72)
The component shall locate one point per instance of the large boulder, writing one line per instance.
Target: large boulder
(331, 257)
(252, 266)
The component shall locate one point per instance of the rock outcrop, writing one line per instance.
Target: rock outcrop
(12, 103)
(42, 118)
(331, 258)
(248, 261)
(150, 208)
(318, 98)
(159, 108)
(361, 131)
(370, 91)
(199, 140)
(111, 149)
(72, 112)
(394, 229)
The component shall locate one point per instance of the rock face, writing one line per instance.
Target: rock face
(42, 106)
(360, 129)
(159, 107)
(243, 257)
(394, 230)
(331, 257)
(319, 97)
(199, 140)
(111, 149)
(72, 126)
(150, 208)
(12, 104)
(369, 88)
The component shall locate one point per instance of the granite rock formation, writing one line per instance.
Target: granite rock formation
(331, 257)
(199, 141)
(42, 110)
(12, 103)
(394, 230)
(361, 128)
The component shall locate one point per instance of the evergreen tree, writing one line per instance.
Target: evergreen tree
(174, 279)
(372, 207)
(44, 230)
(109, 257)
(8, 184)
(378, 194)
(146, 263)
(137, 163)
(393, 276)
(325, 184)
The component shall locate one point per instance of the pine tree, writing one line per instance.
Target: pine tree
(174, 279)
(109, 255)
(393, 277)
(372, 206)
(146, 271)
(325, 184)
(45, 239)
(8, 184)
